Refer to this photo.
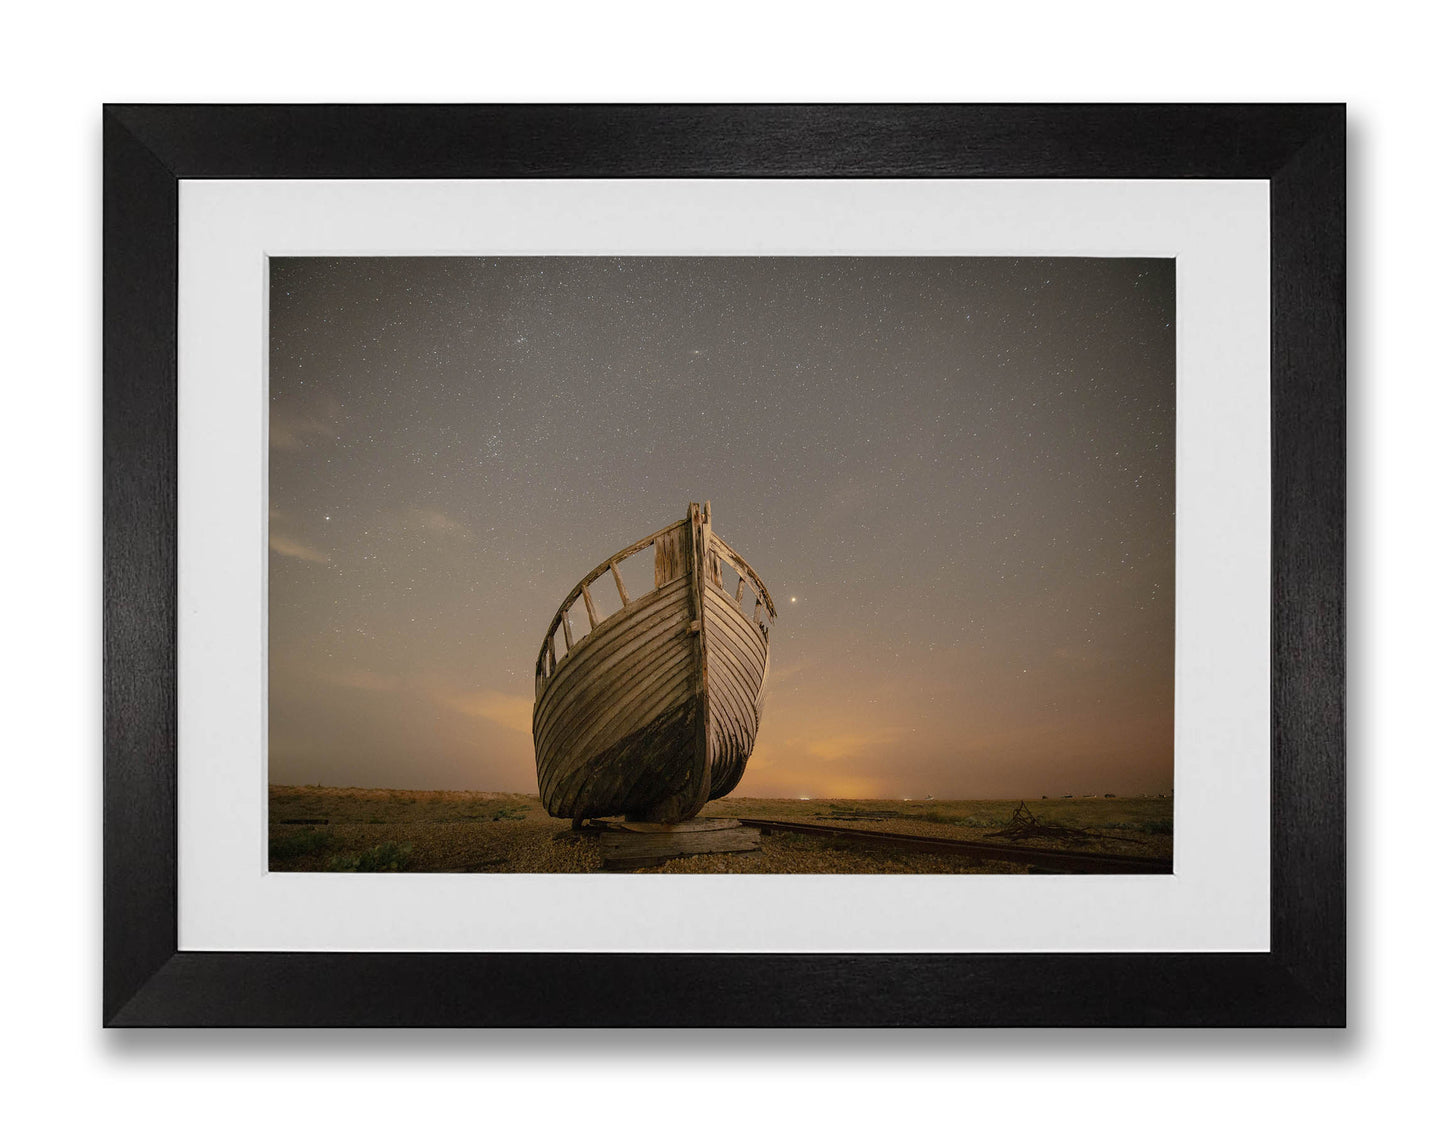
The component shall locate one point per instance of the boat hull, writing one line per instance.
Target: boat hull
(737, 668)
(656, 710)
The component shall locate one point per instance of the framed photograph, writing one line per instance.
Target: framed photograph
(724, 565)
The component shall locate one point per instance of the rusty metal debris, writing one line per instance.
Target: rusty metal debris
(1024, 825)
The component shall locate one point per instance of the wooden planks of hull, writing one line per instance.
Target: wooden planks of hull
(597, 750)
(655, 634)
(641, 771)
(618, 689)
(655, 710)
(736, 671)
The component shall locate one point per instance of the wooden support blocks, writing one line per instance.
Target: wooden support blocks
(637, 845)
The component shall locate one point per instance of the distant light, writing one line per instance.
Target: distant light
(794, 599)
(805, 798)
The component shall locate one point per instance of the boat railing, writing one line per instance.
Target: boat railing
(547, 659)
(718, 553)
(763, 610)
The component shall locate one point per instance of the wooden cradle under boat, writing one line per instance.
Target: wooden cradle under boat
(655, 710)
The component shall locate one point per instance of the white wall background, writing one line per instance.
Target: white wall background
(62, 62)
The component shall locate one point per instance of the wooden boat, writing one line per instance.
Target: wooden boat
(654, 711)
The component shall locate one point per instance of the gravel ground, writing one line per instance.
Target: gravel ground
(331, 829)
(1133, 827)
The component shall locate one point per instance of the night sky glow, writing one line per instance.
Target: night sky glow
(956, 476)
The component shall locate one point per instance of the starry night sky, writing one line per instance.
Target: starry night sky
(955, 475)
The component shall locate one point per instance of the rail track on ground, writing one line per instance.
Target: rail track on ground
(1047, 860)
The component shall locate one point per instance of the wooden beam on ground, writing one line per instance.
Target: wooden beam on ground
(636, 845)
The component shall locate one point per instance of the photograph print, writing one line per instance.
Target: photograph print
(749, 565)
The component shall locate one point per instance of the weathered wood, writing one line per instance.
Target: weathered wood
(613, 690)
(592, 575)
(734, 682)
(698, 522)
(738, 594)
(728, 621)
(691, 826)
(742, 567)
(618, 625)
(639, 848)
(642, 770)
(651, 636)
(737, 666)
(601, 670)
(584, 733)
(632, 845)
(662, 691)
(668, 560)
(626, 632)
(655, 710)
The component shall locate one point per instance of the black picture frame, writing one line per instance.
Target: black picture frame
(1299, 149)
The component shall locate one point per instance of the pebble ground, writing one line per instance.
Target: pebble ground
(332, 829)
